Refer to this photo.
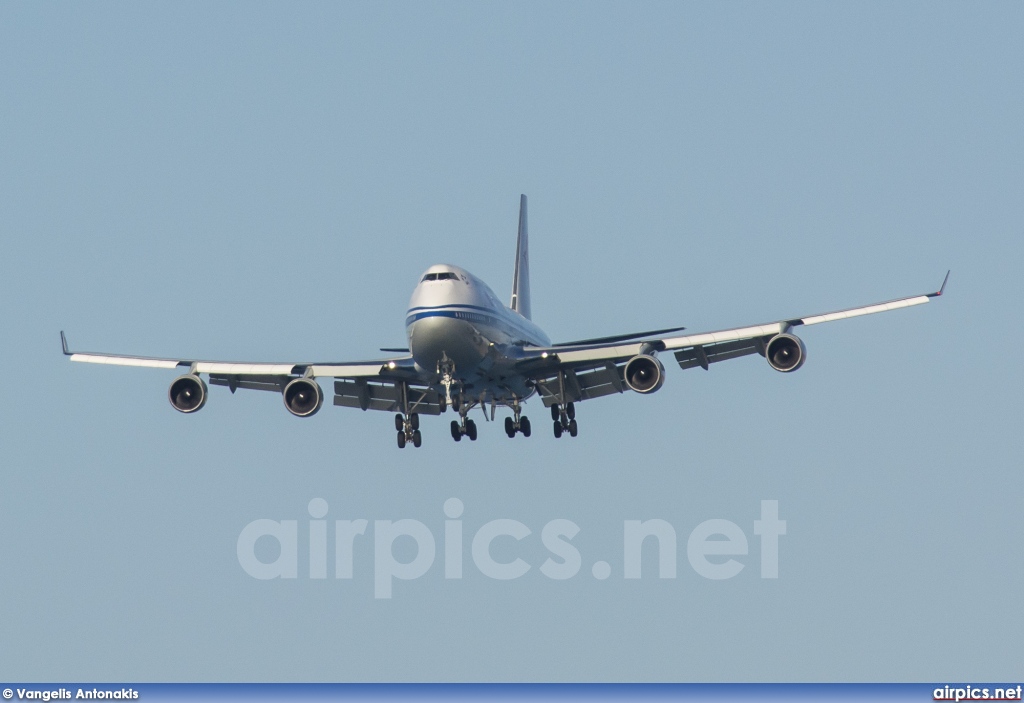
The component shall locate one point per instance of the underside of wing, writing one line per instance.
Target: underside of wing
(570, 373)
(569, 385)
(383, 384)
(389, 396)
(244, 368)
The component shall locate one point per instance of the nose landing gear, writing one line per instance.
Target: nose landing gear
(446, 370)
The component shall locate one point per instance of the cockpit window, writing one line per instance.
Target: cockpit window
(445, 276)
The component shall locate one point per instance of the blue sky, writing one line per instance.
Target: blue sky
(267, 181)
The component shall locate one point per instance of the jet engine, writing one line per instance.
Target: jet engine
(644, 373)
(303, 397)
(187, 393)
(785, 352)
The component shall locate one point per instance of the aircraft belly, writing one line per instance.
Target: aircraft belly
(484, 373)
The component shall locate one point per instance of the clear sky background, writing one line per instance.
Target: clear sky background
(265, 181)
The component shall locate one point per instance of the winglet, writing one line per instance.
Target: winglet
(942, 288)
(64, 343)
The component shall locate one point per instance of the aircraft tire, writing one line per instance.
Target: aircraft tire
(401, 440)
(573, 428)
(558, 429)
(417, 439)
(524, 426)
(456, 431)
(471, 430)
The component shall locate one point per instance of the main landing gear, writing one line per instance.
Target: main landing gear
(564, 418)
(408, 429)
(463, 426)
(467, 427)
(517, 423)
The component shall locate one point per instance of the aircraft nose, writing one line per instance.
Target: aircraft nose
(432, 338)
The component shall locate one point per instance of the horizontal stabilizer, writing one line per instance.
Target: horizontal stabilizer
(618, 337)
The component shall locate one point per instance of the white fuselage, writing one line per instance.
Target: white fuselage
(455, 317)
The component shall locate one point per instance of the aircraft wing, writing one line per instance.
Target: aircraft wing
(369, 385)
(572, 373)
(354, 369)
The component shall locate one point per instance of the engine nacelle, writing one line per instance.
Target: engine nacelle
(303, 397)
(644, 374)
(187, 393)
(785, 352)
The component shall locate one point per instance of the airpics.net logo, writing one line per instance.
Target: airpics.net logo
(714, 548)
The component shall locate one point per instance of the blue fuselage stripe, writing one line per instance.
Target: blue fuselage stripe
(470, 314)
(453, 305)
(455, 314)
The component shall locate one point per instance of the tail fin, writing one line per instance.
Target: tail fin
(521, 281)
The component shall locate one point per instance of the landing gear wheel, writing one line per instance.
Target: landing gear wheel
(443, 403)
(510, 428)
(471, 430)
(556, 414)
(456, 431)
(524, 426)
(401, 440)
(399, 422)
(558, 429)
(570, 410)
(573, 428)
(417, 438)
(414, 421)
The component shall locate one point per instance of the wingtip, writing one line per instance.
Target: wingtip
(64, 344)
(942, 288)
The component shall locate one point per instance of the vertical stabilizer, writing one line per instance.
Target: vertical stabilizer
(521, 281)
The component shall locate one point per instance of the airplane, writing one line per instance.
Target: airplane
(467, 349)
